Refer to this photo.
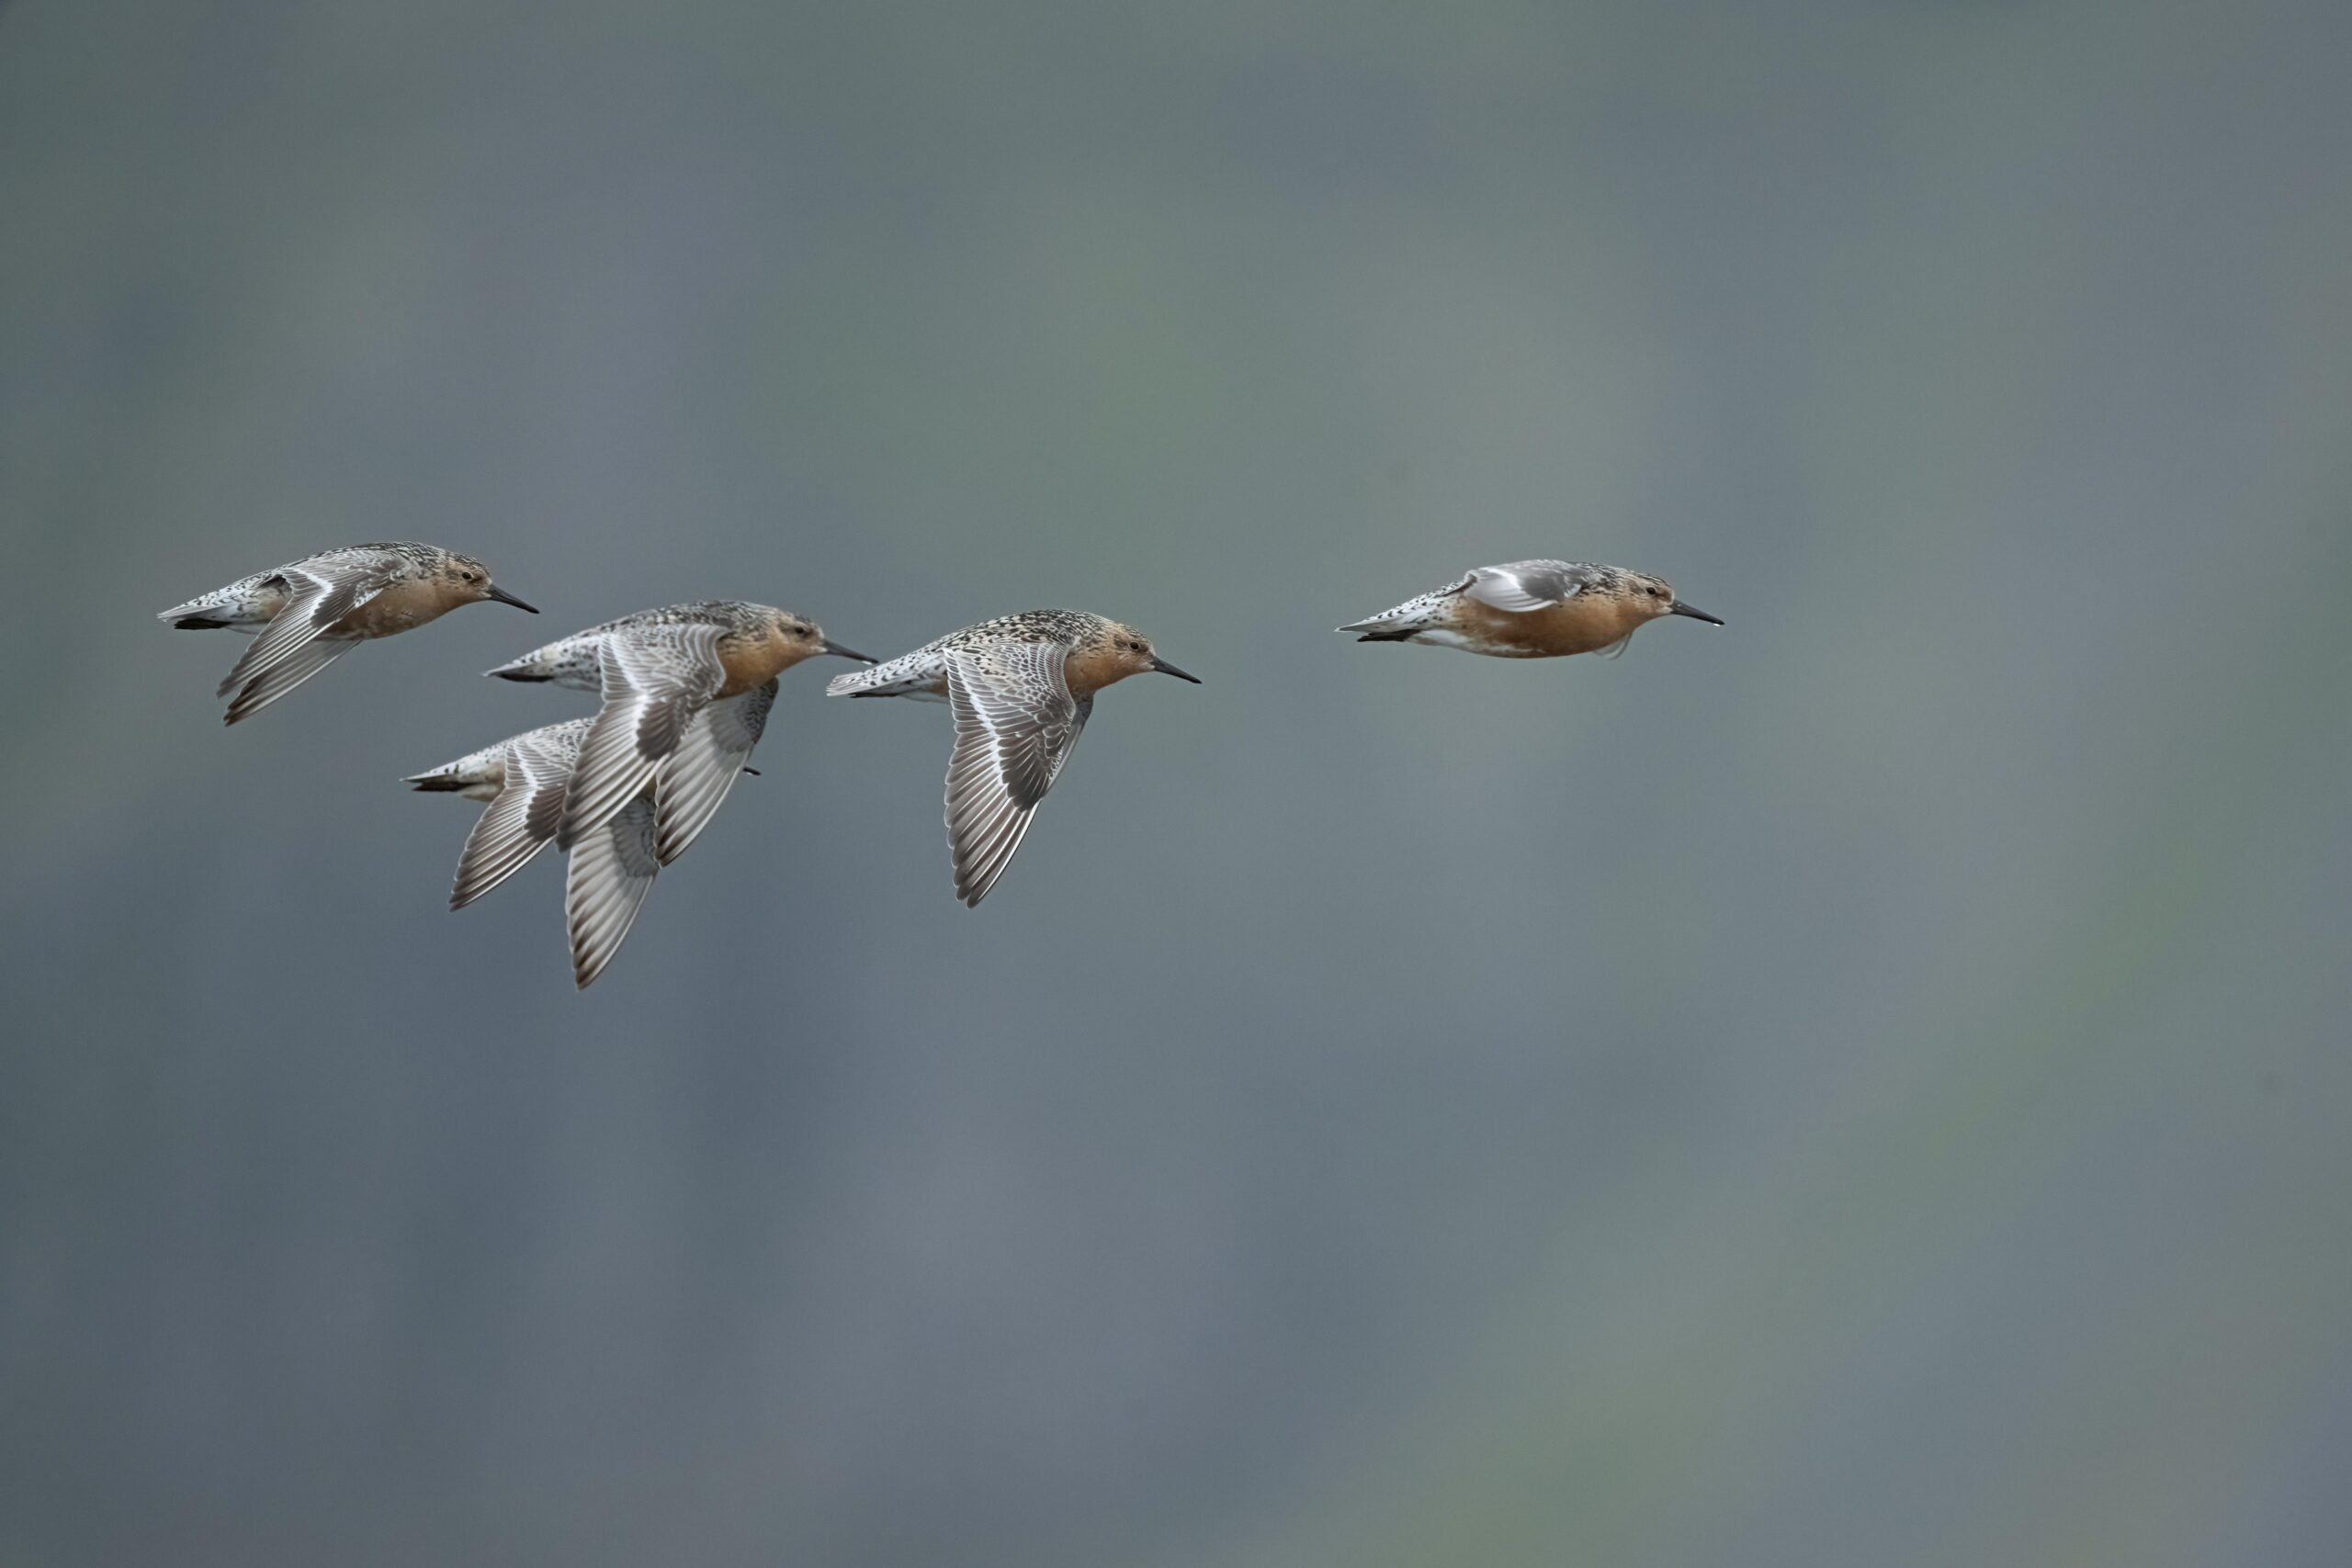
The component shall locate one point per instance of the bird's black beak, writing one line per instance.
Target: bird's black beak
(832, 646)
(1695, 613)
(503, 597)
(1167, 669)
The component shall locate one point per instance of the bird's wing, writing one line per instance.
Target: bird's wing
(654, 678)
(694, 782)
(1528, 584)
(519, 822)
(287, 673)
(318, 594)
(1015, 723)
(611, 869)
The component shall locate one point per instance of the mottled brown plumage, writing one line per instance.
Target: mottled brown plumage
(307, 614)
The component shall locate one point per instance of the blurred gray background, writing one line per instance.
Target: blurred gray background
(1864, 1086)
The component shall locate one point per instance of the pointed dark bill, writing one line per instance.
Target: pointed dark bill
(1695, 613)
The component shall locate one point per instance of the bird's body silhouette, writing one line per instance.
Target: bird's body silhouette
(307, 614)
(686, 689)
(1532, 609)
(1022, 688)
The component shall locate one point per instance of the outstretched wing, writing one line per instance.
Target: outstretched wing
(1528, 584)
(694, 782)
(318, 594)
(1015, 724)
(654, 679)
(612, 870)
(286, 674)
(518, 823)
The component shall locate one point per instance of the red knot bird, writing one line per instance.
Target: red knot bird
(611, 869)
(307, 614)
(680, 685)
(1022, 687)
(1533, 609)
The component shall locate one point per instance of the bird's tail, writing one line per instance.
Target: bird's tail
(530, 667)
(909, 675)
(1415, 615)
(213, 612)
(856, 682)
(569, 661)
(1397, 625)
(245, 605)
(476, 771)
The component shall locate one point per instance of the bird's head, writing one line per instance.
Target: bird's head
(1655, 596)
(1128, 652)
(467, 581)
(804, 638)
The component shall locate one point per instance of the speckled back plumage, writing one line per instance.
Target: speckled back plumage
(573, 660)
(923, 674)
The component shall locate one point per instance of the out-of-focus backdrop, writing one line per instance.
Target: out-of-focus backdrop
(1864, 1086)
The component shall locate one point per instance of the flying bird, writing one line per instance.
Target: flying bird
(678, 684)
(307, 614)
(1532, 609)
(1021, 688)
(522, 779)
(611, 869)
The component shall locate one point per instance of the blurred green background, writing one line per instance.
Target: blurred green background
(1864, 1086)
